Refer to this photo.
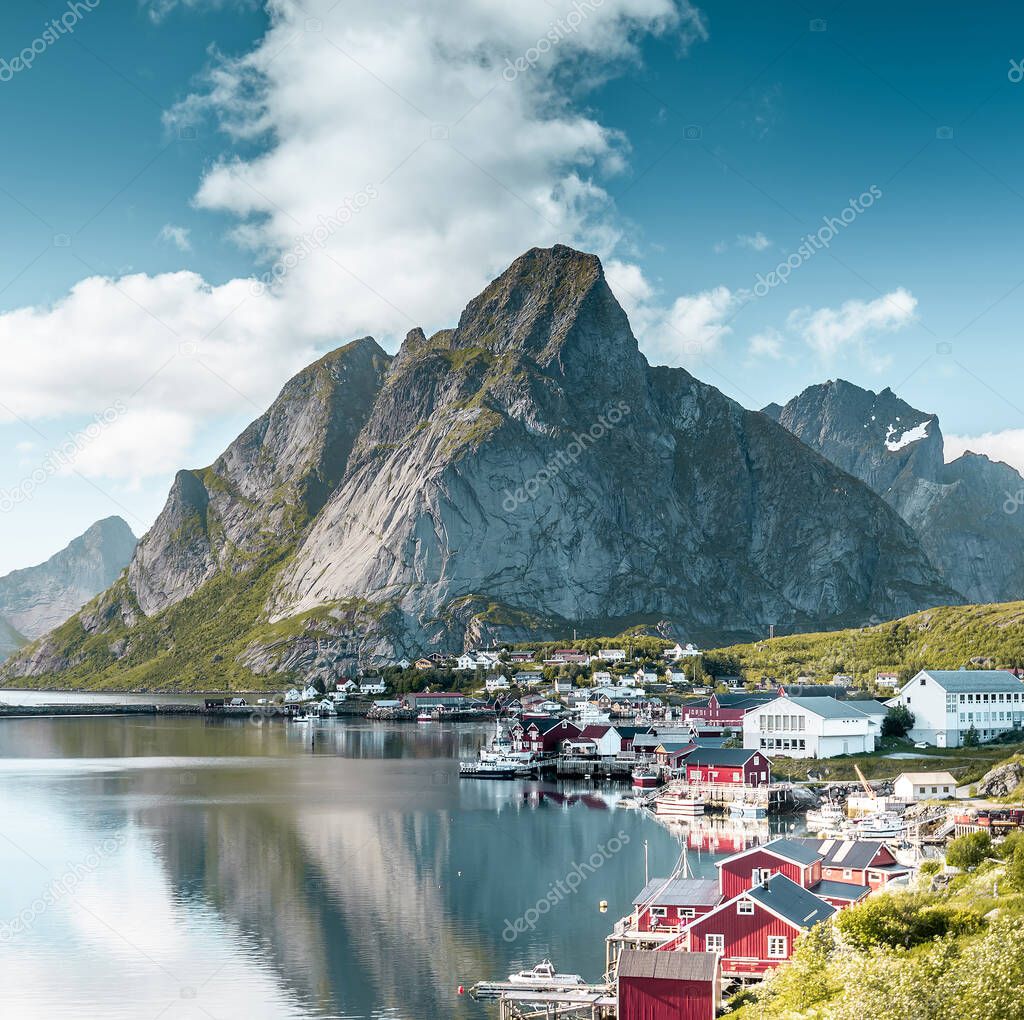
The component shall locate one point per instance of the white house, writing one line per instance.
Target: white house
(947, 702)
(466, 661)
(808, 728)
(600, 676)
(403, 664)
(645, 675)
(888, 681)
(372, 685)
(914, 786)
(347, 686)
(675, 675)
(310, 693)
(291, 696)
(488, 658)
(496, 683)
(678, 652)
(612, 654)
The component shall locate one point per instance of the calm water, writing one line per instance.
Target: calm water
(178, 868)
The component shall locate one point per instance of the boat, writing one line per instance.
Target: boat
(646, 778)
(675, 805)
(884, 825)
(426, 716)
(829, 816)
(543, 977)
(743, 809)
(499, 760)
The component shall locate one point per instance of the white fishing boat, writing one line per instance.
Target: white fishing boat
(676, 805)
(499, 760)
(544, 977)
(884, 825)
(829, 817)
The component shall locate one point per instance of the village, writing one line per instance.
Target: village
(696, 748)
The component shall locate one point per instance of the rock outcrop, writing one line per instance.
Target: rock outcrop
(1003, 780)
(519, 475)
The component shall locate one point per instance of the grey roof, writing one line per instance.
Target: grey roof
(968, 680)
(680, 892)
(793, 850)
(721, 755)
(841, 890)
(789, 900)
(845, 853)
(827, 707)
(748, 698)
(815, 690)
(650, 963)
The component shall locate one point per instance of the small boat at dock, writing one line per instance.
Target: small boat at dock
(544, 977)
(646, 778)
(744, 809)
(676, 805)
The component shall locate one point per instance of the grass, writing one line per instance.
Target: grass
(979, 636)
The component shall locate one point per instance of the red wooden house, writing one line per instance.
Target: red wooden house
(733, 766)
(543, 736)
(668, 986)
(671, 904)
(797, 859)
(864, 862)
(754, 931)
(726, 711)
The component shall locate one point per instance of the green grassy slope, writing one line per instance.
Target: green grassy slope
(944, 638)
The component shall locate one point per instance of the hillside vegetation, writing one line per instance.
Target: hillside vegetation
(980, 636)
(951, 952)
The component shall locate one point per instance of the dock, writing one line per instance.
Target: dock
(587, 1002)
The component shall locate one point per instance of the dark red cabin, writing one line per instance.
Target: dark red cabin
(668, 986)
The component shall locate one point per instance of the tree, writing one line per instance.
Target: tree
(968, 851)
(897, 722)
(971, 738)
(318, 685)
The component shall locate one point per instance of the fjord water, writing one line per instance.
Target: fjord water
(189, 867)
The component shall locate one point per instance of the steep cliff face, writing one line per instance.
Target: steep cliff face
(518, 475)
(36, 599)
(964, 512)
(531, 462)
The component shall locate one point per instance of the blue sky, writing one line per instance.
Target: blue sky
(168, 153)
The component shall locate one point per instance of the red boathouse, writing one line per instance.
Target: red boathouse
(668, 986)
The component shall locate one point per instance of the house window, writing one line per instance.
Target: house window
(924, 681)
(659, 912)
(744, 907)
(687, 912)
(759, 875)
(714, 943)
(777, 946)
(847, 873)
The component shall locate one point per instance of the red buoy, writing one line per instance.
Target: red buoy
(461, 990)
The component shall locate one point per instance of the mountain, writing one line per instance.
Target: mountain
(522, 474)
(37, 599)
(964, 512)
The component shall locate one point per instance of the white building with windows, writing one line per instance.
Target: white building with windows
(915, 786)
(808, 728)
(947, 702)
(612, 654)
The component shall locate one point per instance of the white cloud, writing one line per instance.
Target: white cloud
(835, 332)
(470, 169)
(159, 9)
(755, 242)
(1007, 446)
(766, 344)
(178, 236)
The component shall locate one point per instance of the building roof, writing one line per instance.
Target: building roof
(744, 700)
(721, 755)
(846, 853)
(784, 897)
(841, 890)
(826, 707)
(680, 892)
(971, 680)
(928, 778)
(792, 850)
(814, 690)
(649, 963)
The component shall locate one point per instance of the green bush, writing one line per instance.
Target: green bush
(902, 921)
(930, 867)
(968, 851)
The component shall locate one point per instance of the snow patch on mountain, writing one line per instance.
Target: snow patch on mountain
(908, 437)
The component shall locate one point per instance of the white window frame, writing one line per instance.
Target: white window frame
(759, 875)
(775, 943)
(659, 912)
(744, 907)
(714, 943)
